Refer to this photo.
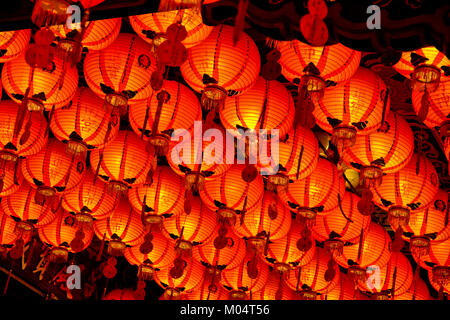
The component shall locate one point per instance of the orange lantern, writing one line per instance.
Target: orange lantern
(357, 106)
(298, 155)
(373, 248)
(418, 291)
(424, 68)
(89, 199)
(428, 225)
(50, 87)
(274, 289)
(267, 105)
(249, 277)
(161, 199)
(22, 134)
(161, 256)
(218, 67)
(10, 179)
(385, 151)
(123, 228)
(397, 277)
(121, 73)
(152, 26)
(439, 279)
(230, 194)
(13, 43)
(122, 294)
(344, 290)
(84, 125)
(21, 206)
(52, 171)
(205, 292)
(65, 234)
(317, 194)
(313, 279)
(174, 107)
(124, 162)
(438, 256)
(8, 234)
(408, 190)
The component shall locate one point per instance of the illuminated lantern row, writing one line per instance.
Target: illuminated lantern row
(13, 43)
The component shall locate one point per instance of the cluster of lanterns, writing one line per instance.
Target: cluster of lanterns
(216, 230)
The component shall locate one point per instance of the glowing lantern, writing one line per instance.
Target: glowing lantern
(397, 276)
(123, 228)
(298, 155)
(21, 135)
(230, 194)
(8, 234)
(408, 190)
(217, 67)
(245, 279)
(152, 26)
(374, 248)
(317, 194)
(65, 234)
(274, 289)
(121, 73)
(50, 87)
(13, 43)
(267, 105)
(385, 151)
(425, 67)
(205, 292)
(52, 171)
(417, 291)
(89, 200)
(161, 199)
(161, 256)
(344, 290)
(312, 278)
(124, 162)
(357, 106)
(84, 125)
(439, 279)
(174, 107)
(10, 180)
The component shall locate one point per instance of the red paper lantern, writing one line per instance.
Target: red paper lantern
(418, 291)
(205, 292)
(218, 67)
(437, 256)
(8, 234)
(13, 43)
(274, 289)
(10, 179)
(344, 290)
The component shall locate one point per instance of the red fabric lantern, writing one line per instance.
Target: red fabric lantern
(84, 124)
(344, 290)
(418, 291)
(410, 189)
(439, 279)
(205, 292)
(274, 289)
(10, 179)
(121, 73)
(152, 26)
(438, 256)
(124, 162)
(218, 67)
(13, 43)
(354, 107)
(174, 107)
(8, 234)
(123, 228)
(51, 86)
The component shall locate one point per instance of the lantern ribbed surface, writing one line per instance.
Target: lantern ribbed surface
(179, 112)
(259, 221)
(54, 85)
(164, 196)
(274, 289)
(356, 103)
(8, 233)
(229, 257)
(394, 147)
(161, 256)
(197, 227)
(125, 159)
(417, 291)
(202, 292)
(125, 223)
(438, 256)
(61, 231)
(17, 144)
(158, 22)
(315, 191)
(85, 118)
(9, 176)
(335, 62)
(267, 105)
(123, 68)
(98, 34)
(90, 198)
(412, 187)
(375, 249)
(335, 221)
(313, 274)
(344, 290)
(21, 204)
(54, 168)
(234, 67)
(13, 43)
(191, 278)
(230, 191)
